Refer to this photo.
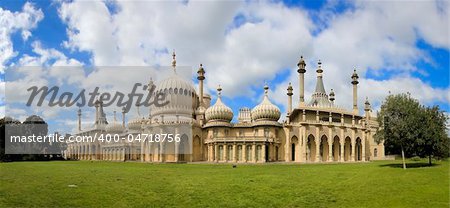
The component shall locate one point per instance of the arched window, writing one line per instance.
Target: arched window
(375, 152)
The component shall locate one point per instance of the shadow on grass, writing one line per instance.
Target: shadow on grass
(410, 165)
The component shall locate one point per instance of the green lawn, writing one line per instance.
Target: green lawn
(114, 184)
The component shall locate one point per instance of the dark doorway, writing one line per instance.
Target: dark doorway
(267, 153)
(293, 152)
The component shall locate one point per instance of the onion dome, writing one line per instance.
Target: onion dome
(114, 127)
(136, 123)
(266, 110)
(179, 94)
(219, 111)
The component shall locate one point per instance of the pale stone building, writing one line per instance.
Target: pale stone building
(314, 131)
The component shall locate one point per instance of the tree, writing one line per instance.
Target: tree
(413, 129)
(400, 122)
(433, 139)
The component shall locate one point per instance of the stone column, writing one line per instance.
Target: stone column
(177, 149)
(244, 152)
(142, 153)
(234, 152)
(363, 147)
(341, 144)
(216, 153)
(254, 152)
(225, 152)
(263, 150)
(330, 144)
(317, 144)
(352, 158)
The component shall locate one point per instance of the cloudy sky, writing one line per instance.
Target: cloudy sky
(395, 46)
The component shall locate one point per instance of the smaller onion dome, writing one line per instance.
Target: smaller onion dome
(266, 110)
(219, 111)
(114, 127)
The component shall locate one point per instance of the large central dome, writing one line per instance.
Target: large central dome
(180, 94)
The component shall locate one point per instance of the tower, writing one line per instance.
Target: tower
(301, 78)
(200, 78)
(79, 119)
(355, 91)
(123, 116)
(289, 93)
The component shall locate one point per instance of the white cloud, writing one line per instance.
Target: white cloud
(11, 22)
(269, 38)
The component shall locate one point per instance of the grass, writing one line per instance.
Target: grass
(114, 184)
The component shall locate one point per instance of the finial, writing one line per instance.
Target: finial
(123, 109)
(332, 92)
(319, 68)
(355, 77)
(174, 61)
(79, 111)
(301, 65)
(266, 88)
(289, 89)
(219, 91)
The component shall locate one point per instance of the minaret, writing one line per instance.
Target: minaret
(201, 77)
(289, 93)
(150, 90)
(123, 117)
(332, 97)
(355, 91)
(367, 109)
(301, 78)
(79, 119)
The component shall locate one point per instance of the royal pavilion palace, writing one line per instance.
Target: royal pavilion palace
(315, 131)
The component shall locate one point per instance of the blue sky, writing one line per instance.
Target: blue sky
(245, 44)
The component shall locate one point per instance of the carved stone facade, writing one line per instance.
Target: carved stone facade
(314, 131)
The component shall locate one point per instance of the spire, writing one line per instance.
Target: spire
(319, 84)
(320, 97)
(115, 119)
(100, 114)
